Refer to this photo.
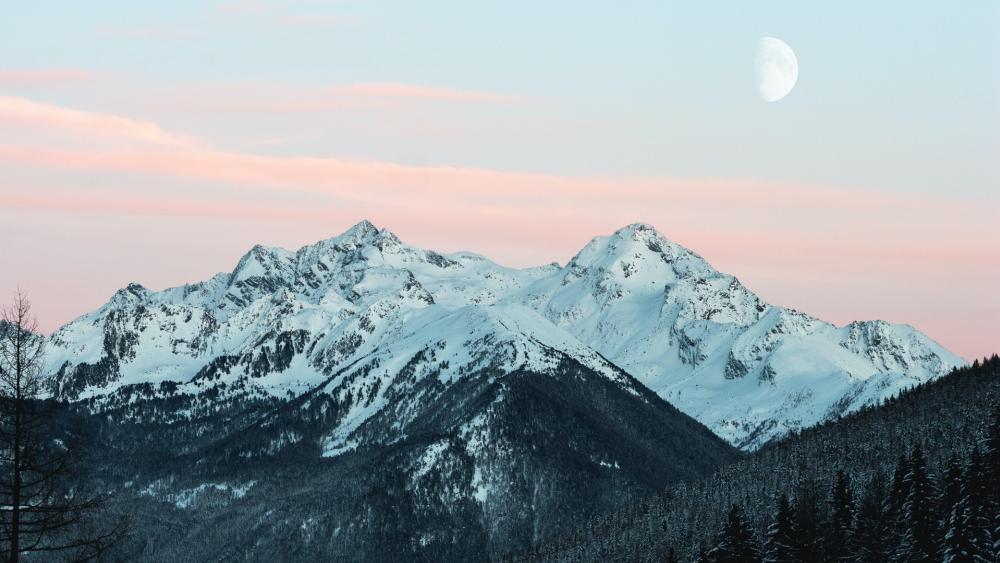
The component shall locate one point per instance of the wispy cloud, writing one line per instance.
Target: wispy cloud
(268, 98)
(194, 158)
(31, 77)
(378, 183)
(21, 111)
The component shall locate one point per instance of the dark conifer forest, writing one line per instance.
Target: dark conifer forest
(915, 479)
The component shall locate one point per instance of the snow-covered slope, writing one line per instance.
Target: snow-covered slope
(349, 314)
(700, 339)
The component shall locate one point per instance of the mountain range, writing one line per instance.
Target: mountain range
(374, 401)
(378, 326)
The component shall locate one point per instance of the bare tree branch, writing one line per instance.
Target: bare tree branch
(43, 505)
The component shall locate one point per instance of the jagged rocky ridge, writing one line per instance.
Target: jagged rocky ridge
(347, 316)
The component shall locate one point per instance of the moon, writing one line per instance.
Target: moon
(777, 69)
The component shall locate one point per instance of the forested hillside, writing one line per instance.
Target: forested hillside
(487, 467)
(914, 479)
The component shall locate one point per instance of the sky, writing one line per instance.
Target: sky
(157, 142)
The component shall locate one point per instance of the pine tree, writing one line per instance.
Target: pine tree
(898, 491)
(842, 521)
(736, 543)
(951, 487)
(873, 532)
(780, 545)
(977, 490)
(894, 503)
(959, 546)
(918, 521)
(809, 537)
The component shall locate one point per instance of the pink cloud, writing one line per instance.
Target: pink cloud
(25, 112)
(376, 182)
(72, 201)
(259, 98)
(30, 77)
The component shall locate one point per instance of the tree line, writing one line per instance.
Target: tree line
(947, 416)
(912, 516)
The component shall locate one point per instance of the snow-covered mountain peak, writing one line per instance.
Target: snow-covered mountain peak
(360, 230)
(262, 262)
(129, 295)
(639, 249)
(364, 245)
(638, 273)
(364, 233)
(286, 320)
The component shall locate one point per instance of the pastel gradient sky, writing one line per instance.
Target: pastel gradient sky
(157, 142)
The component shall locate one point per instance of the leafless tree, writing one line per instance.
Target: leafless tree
(45, 508)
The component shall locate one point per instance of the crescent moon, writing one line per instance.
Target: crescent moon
(777, 69)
